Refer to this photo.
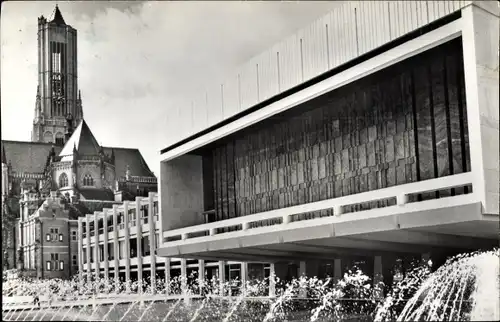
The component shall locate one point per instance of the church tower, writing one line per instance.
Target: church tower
(58, 101)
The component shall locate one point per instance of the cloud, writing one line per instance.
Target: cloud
(136, 60)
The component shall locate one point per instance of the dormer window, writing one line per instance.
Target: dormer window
(88, 180)
(63, 180)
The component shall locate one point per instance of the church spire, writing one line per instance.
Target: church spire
(79, 108)
(58, 18)
(38, 103)
(56, 98)
(4, 157)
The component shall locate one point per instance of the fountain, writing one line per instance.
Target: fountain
(466, 287)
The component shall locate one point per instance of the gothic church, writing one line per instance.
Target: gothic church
(63, 173)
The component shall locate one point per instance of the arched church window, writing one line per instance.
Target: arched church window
(88, 180)
(59, 138)
(63, 180)
(47, 137)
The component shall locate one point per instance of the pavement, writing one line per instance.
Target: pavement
(14, 304)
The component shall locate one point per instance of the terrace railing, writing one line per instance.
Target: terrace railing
(401, 194)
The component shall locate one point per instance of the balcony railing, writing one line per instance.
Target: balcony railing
(284, 216)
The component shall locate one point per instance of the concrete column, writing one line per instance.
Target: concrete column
(116, 248)
(302, 272)
(139, 242)
(222, 277)
(272, 280)
(388, 270)
(312, 268)
(426, 257)
(378, 277)
(201, 275)
(96, 242)
(480, 36)
(184, 286)
(167, 274)
(31, 243)
(152, 241)
(89, 249)
(21, 246)
(106, 255)
(244, 275)
(337, 269)
(80, 249)
(127, 245)
(302, 268)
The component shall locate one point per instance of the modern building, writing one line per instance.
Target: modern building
(113, 245)
(63, 174)
(369, 135)
(126, 248)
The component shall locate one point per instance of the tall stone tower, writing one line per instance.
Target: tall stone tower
(58, 101)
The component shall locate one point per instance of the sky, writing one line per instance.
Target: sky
(137, 58)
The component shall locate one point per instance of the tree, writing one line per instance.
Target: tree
(8, 223)
(20, 258)
(6, 260)
(8, 216)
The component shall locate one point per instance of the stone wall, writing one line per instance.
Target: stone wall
(404, 124)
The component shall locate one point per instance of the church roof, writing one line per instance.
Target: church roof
(82, 140)
(28, 157)
(58, 18)
(85, 144)
(31, 157)
(129, 157)
(97, 194)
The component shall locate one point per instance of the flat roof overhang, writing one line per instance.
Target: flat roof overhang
(418, 41)
(457, 224)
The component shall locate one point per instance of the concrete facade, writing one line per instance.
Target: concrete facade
(352, 30)
(481, 67)
(185, 200)
(104, 237)
(119, 257)
(376, 159)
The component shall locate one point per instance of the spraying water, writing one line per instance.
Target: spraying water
(466, 287)
(171, 310)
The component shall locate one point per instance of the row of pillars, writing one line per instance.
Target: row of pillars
(114, 212)
(380, 273)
